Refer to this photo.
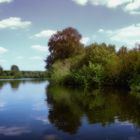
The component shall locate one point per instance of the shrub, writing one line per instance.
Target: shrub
(86, 76)
(135, 84)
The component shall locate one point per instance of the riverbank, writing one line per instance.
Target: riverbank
(22, 74)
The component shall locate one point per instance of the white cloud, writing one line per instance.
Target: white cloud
(129, 35)
(45, 34)
(131, 6)
(3, 50)
(101, 30)
(85, 40)
(36, 58)
(135, 12)
(40, 48)
(108, 3)
(81, 2)
(14, 23)
(116, 3)
(5, 1)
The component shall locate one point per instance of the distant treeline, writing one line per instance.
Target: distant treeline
(22, 74)
(72, 63)
(15, 73)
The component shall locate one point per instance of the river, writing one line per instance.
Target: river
(36, 110)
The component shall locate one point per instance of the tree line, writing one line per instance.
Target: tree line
(72, 63)
(15, 73)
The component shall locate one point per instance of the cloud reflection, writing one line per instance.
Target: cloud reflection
(44, 120)
(13, 131)
(39, 106)
(2, 105)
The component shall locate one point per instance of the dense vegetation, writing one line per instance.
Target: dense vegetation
(72, 63)
(15, 73)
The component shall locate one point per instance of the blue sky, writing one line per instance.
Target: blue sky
(26, 25)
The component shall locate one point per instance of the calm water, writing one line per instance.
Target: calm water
(35, 110)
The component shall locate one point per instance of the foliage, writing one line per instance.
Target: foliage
(1, 69)
(104, 55)
(22, 74)
(135, 84)
(64, 44)
(129, 64)
(15, 73)
(59, 71)
(14, 68)
(96, 64)
(87, 75)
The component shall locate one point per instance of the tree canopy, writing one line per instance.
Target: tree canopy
(1, 68)
(14, 68)
(97, 64)
(64, 44)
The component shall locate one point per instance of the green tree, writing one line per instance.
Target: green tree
(1, 69)
(104, 55)
(14, 68)
(99, 53)
(88, 75)
(129, 64)
(64, 44)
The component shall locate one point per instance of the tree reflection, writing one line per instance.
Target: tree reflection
(99, 106)
(65, 113)
(15, 83)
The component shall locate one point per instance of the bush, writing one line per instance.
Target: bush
(59, 71)
(86, 76)
(135, 84)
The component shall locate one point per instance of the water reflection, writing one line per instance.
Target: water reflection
(23, 110)
(2, 105)
(104, 107)
(13, 131)
(29, 110)
(15, 83)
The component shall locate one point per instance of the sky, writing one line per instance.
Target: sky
(26, 26)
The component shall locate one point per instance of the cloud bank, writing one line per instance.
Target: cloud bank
(129, 35)
(130, 6)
